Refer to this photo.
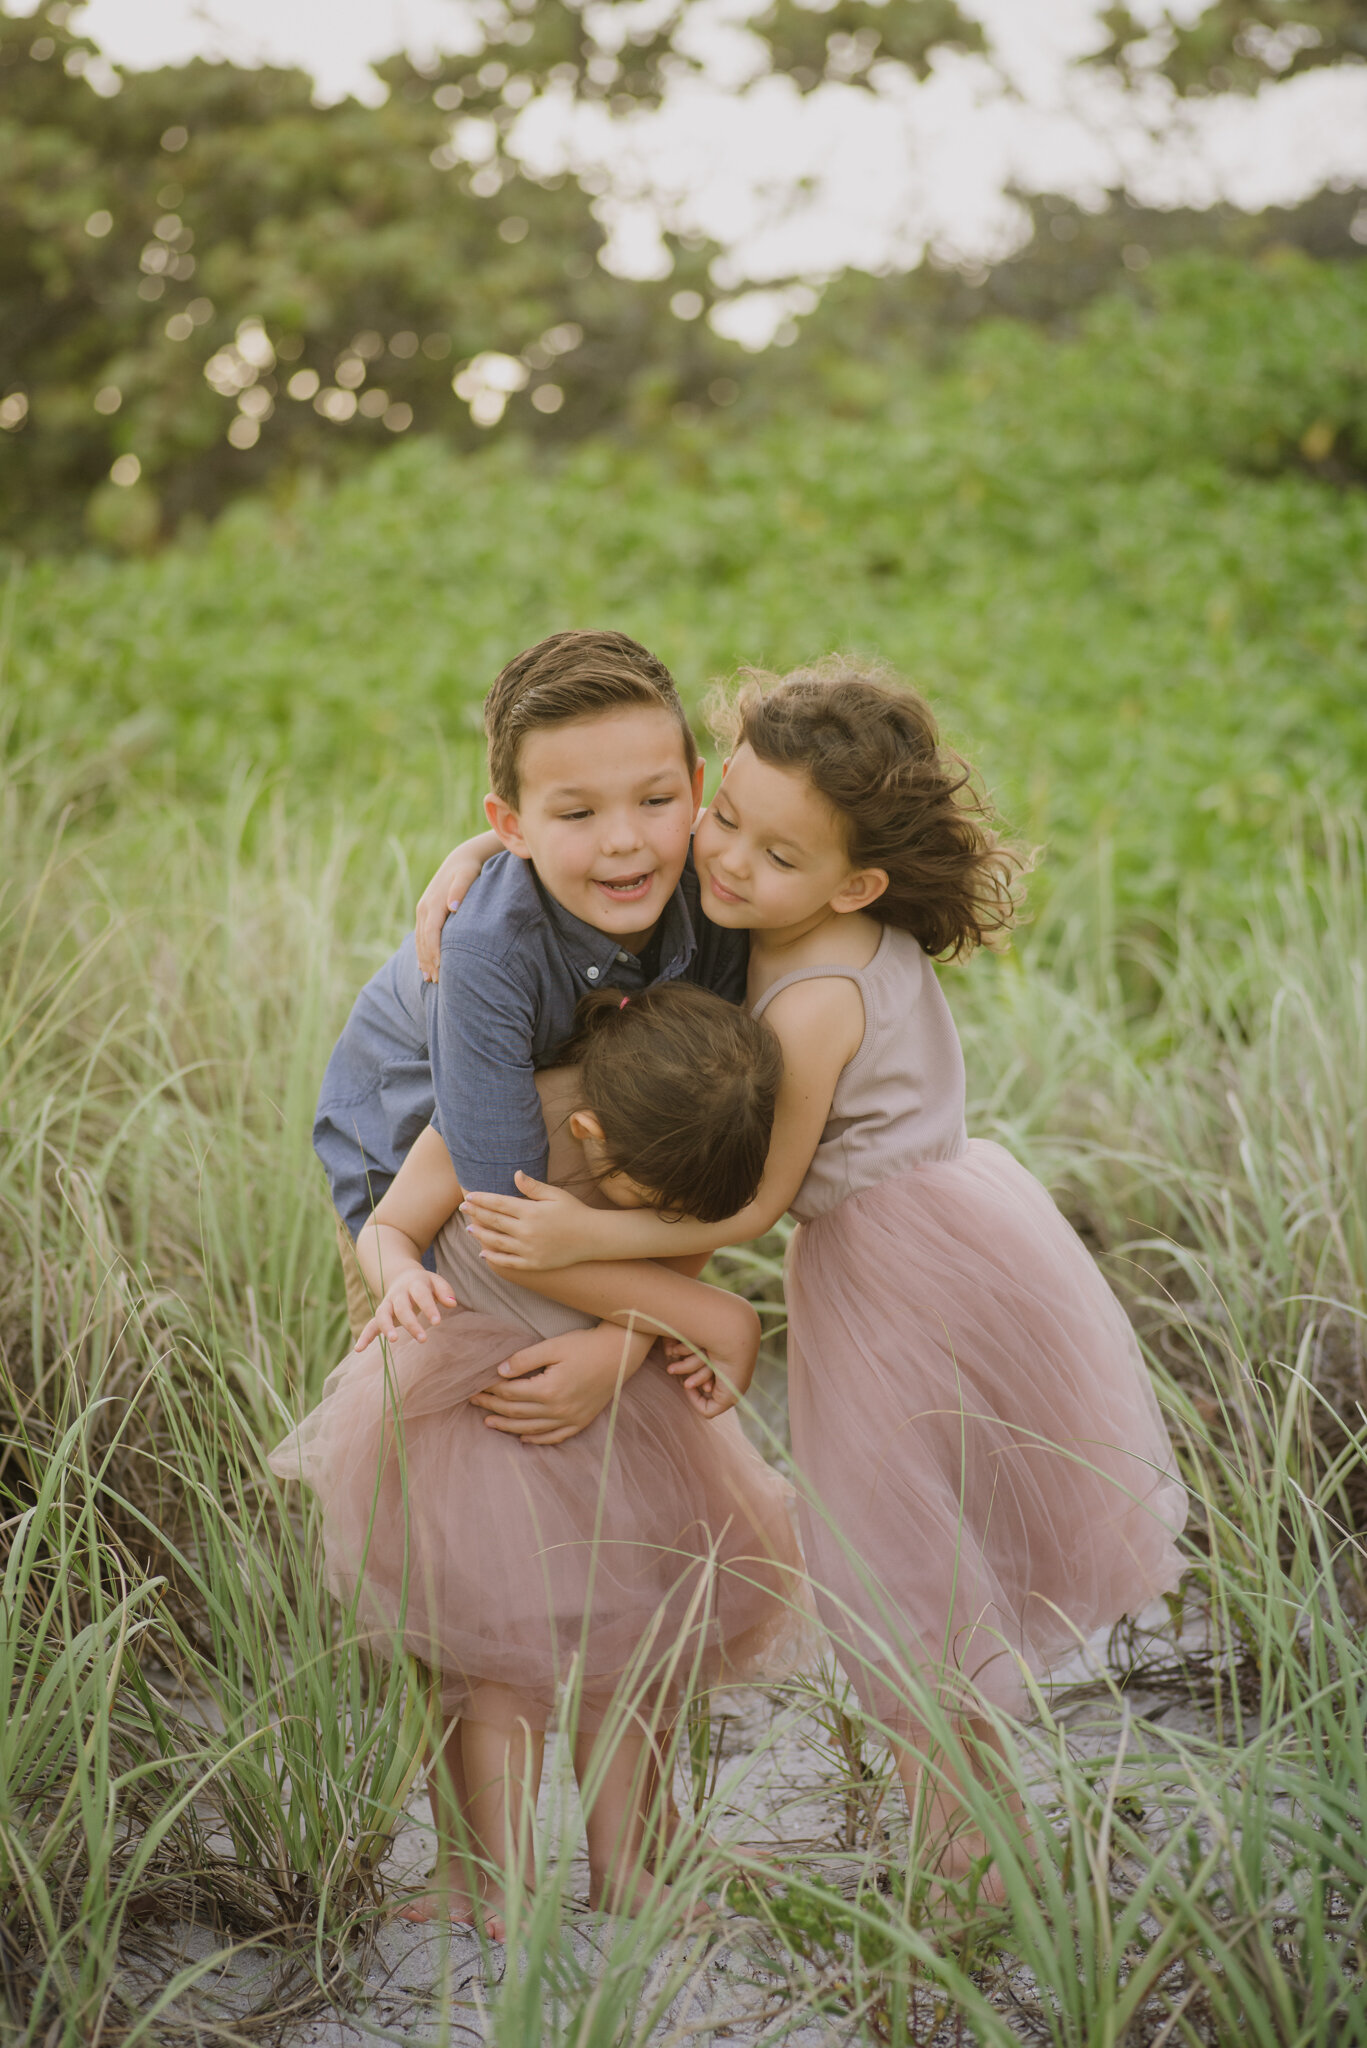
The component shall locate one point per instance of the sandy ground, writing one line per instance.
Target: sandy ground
(780, 1793)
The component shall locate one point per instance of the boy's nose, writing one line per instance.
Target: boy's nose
(621, 834)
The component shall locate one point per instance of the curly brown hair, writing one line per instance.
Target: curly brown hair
(869, 745)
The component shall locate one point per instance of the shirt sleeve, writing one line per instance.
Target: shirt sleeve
(482, 1035)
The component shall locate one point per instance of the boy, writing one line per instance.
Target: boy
(595, 780)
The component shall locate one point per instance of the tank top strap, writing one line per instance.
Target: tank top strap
(827, 973)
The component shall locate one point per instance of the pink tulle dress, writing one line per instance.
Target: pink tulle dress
(654, 1547)
(984, 1474)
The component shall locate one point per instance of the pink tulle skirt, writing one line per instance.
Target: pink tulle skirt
(986, 1478)
(652, 1550)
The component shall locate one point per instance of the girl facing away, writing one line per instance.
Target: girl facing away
(650, 1550)
(985, 1476)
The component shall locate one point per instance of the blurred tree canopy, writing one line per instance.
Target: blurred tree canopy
(1239, 45)
(207, 282)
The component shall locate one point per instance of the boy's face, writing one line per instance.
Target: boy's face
(604, 816)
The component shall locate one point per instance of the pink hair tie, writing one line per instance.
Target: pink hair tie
(625, 1000)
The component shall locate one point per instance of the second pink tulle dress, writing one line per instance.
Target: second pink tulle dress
(985, 1476)
(653, 1550)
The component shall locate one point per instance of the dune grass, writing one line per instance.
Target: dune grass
(226, 773)
(192, 1735)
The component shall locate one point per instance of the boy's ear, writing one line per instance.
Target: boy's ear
(503, 822)
(861, 890)
(585, 1126)
(699, 774)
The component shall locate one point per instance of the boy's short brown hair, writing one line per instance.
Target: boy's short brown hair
(572, 675)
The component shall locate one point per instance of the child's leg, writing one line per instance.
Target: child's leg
(935, 1801)
(449, 1894)
(629, 1815)
(501, 1759)
(617, 1770)
(482, 1784)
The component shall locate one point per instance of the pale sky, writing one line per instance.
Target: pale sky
(886, 174)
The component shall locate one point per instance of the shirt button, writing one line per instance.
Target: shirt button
(624, 959)
(591, 973)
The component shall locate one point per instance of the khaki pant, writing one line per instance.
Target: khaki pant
(359, 1306)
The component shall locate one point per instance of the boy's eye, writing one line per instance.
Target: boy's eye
(787, 865)
(655, 801)
(722, 819)
(572, 817)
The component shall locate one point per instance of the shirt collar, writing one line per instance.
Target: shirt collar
(593, 955)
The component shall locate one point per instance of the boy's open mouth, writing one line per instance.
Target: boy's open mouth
(627, 888)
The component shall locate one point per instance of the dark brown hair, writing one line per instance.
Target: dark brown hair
(684, 1087)
(572, 675)
(868, 744)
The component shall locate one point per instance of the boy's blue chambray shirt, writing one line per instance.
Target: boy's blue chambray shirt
(461, 1053)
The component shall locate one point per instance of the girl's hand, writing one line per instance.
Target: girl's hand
(415, 1296)
(711, 1393)
(543, 1229)
(446, 892)
(551, 1391)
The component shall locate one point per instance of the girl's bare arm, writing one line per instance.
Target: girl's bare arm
(391, 1244)
(445, 892)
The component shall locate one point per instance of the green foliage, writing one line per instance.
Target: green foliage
(208, 284)
(1116, 562)
(1239, 45)
(176, 255)
(206, 280)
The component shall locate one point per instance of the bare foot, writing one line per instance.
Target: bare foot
(424, 1906)
(445, 1896)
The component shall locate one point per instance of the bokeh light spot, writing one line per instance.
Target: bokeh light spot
(335, 404)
